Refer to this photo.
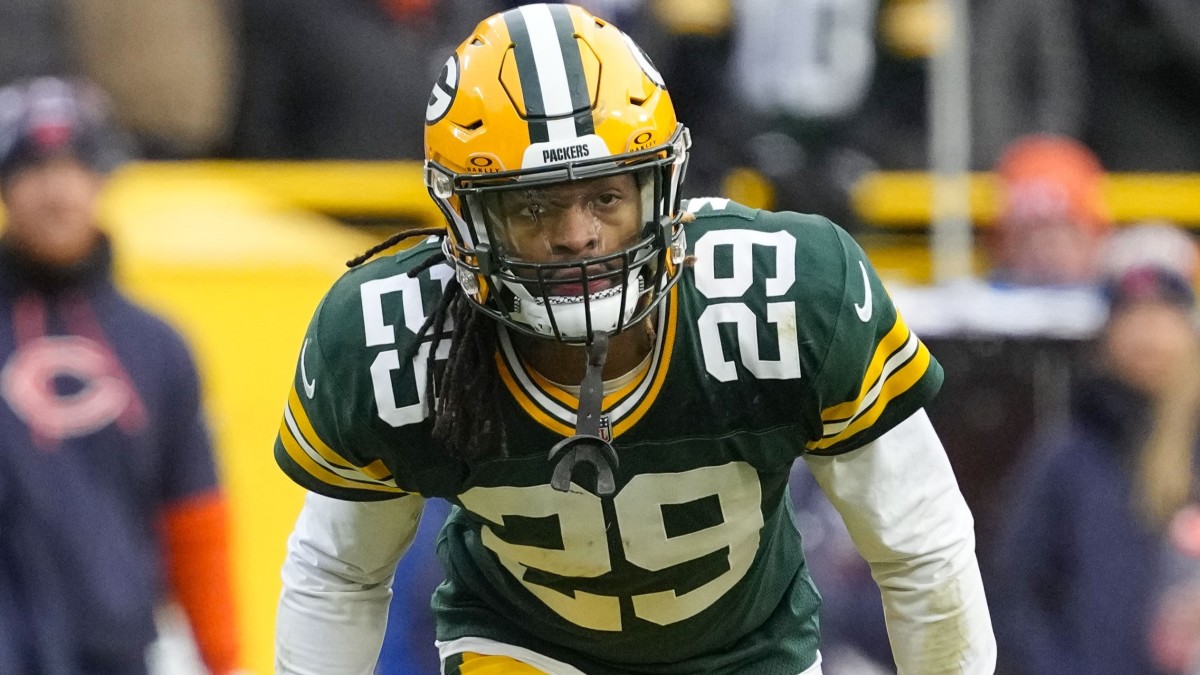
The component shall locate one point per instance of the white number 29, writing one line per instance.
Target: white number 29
(733, 287)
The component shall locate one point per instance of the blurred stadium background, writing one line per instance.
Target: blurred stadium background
(293, 146)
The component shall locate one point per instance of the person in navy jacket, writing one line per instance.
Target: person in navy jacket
(109, 495)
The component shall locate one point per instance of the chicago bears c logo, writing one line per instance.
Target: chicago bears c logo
(95, 393)
(443, 91)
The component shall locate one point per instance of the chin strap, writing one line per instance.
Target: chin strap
(586, 446)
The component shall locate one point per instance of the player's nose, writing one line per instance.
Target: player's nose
(576, 233)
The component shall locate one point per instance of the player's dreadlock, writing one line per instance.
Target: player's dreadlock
(392, 241)
(467, 420)
(464, 398)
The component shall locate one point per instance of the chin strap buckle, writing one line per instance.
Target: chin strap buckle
(586, 446)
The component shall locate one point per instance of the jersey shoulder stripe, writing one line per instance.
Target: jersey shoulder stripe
(309, 453)
(375, 470)
(876, 372)
(899, 362)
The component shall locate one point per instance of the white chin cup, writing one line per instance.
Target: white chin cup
(570, 314)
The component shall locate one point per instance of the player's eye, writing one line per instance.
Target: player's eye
(532, 210)
(607, 200)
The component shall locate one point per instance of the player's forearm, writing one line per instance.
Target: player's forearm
(318, 633)
(337, 584)
(903, 508)
(936, 612)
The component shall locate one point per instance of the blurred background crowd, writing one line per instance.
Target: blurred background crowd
(277, 135)
(823, 90)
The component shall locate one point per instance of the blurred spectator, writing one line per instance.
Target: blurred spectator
(1044, 247)
(820, 92)
(803, 71)
(1052, 217)
(169, 66)
(1102, 525)
(691, 44)
(109, 497)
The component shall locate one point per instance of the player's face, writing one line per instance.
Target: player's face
(51, 210)
(568, 223)
(1051, 252)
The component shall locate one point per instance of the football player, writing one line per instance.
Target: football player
(610, 386)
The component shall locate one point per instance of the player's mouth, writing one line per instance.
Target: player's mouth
(578, 290)
(571, 284)
(593, 295)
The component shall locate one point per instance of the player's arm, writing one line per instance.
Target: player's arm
(337, 583)
(878, 459)
(357, 519)
(901, 503)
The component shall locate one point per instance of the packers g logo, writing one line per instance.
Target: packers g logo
(443, 91)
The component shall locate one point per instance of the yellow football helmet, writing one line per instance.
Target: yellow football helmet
(540, 96)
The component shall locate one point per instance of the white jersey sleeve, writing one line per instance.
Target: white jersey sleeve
(901, 503)
(337, 583)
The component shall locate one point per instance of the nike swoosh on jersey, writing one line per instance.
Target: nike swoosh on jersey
(310, 388)
(864, 310)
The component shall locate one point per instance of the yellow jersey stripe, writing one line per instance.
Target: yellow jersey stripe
(626, 405)
(301, 458)
(894, 363)
(895, 385)
(352, 473)
(895, 338)
(664, 362)
(527, 404)
(616, 395)
(520, 383)
(564, 397)
(552, 390)
(376, 469)
(309, 434)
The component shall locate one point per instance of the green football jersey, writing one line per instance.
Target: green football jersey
(778, 340)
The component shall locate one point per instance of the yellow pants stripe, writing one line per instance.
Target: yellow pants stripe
(484, 664)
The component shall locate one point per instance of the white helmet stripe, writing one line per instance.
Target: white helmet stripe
(551, 71)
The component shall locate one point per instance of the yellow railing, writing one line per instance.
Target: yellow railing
(349, 189)
(904, 199)
(885, 199)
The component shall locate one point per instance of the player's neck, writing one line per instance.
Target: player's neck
(559, 362)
